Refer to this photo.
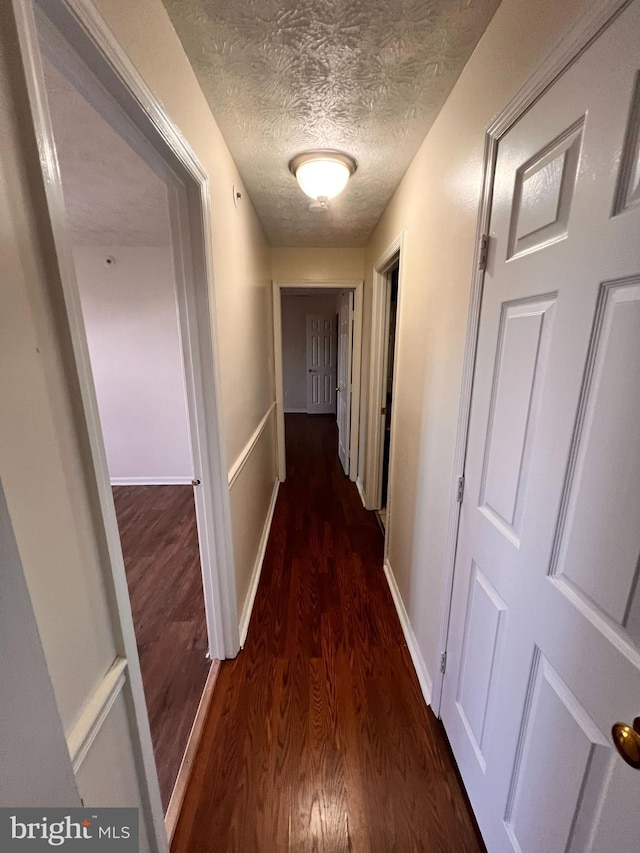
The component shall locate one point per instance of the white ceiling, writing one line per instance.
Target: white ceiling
(364, 76)
(112, 197)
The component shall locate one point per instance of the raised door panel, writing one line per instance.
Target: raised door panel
(598, 535)
(485, 621)
(523, 342)
(628, 191)
(543, 194)
(562, 759)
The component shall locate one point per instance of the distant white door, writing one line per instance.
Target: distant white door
(321, 364)
(343, 399)
(544, 647)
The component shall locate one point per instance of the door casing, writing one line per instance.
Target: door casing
(344, 359)
(372, 488)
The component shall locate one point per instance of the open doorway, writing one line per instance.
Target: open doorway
(317, 340)
(391, 313)
(138, 302)
(385, 310)
(119, 226)
(309, 352)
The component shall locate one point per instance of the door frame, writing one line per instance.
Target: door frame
(358, 290)
(586, 29)
(350, 296)
(92, 40)
(394, 253)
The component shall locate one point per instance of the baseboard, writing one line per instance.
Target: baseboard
(184, 773)
(296, 411)
(360, 488)
(257, 568)
(422, 672)
(151, 481)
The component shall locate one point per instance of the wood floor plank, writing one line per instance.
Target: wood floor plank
(319, 738)
(159, 539)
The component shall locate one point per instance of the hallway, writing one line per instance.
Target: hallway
(318, 737)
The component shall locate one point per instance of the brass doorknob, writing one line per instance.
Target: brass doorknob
(627, 741)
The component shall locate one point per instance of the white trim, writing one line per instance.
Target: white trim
(242, 459)
(151, 481)
(196, 310)
(356, 379)
(412, 644)
(360, 489)
(186, 766)
(247, 609)
(599, 15)
(94, 713)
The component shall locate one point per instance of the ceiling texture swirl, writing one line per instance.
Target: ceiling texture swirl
(364, 76)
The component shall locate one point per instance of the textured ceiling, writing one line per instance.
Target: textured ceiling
(364, 76)
(112, 197)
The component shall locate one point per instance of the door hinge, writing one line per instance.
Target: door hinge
(443, 662)
(383, 410)
(483, 252)
(460, 489)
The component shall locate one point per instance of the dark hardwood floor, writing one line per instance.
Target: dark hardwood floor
(160, 545)
(318, 738)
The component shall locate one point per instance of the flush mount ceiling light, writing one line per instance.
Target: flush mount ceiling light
(322, 174)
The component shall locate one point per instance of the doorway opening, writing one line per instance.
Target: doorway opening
(118, 222)
(317, 340)
(385, 309)
(309, 352)
(128, 210)
(391, 313)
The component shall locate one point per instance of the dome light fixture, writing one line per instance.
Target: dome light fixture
(322, 174)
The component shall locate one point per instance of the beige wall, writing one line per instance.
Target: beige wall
(296, 265)
(436, 205)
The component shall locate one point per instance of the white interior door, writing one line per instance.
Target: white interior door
(544, 646)
(321, 364)
(343, 394)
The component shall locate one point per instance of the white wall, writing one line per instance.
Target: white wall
(130, 315)
(294, 344)
(436, 205)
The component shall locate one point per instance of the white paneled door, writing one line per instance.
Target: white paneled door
(321, 364)
(544, 645)
(343, 393)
